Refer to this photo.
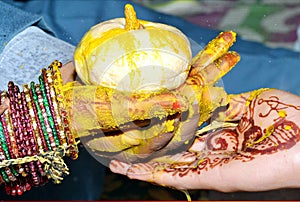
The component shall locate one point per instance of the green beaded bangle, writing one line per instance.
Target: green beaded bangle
(40, 116)
(48, 111)
(4, 175)
(55, 106)
(3, 142)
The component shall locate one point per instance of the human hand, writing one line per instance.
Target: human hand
(178, 110)
(128, 135)
(260, 153)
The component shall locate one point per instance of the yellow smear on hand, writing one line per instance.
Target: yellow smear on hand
(282, 113)
(214, 49)
(269, 132)
(129, 141)
(170, 125)
(254, 94)
(288, 127)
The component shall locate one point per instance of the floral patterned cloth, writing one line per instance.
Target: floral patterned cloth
(273, 22)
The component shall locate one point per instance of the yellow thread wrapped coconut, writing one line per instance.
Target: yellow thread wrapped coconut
(133, 55)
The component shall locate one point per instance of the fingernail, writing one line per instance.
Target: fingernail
(142, 172)
(119, 167)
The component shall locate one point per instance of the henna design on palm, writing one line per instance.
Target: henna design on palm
(248, 139)
(281, 134)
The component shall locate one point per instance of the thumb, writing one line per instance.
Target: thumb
(4, 104)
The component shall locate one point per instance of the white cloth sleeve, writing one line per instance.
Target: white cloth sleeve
(27, 53)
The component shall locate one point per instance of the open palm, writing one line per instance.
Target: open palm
(261, 153)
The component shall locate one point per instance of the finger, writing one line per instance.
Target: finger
(4, 104)
(161, 173)
(139, 153)
(140, 171)
(219, 68)
(119, 167)
(136, 144)
(115, 143)
(68, 72)
(126, 140)
(180, 160)
(3, 108)
(215, 70)
(211, 99)
(94, 108)
(215, 49)
(226, 174)
(184, 135)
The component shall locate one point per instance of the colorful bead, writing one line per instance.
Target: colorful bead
(54, 107)
(9, 128)
(36, 125)
(41, 142)
(49, 116)
(9, 139)
(45, 118)
(39, 115)
(4, 176)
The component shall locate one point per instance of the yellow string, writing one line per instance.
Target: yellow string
(187, 195)
(54, 164)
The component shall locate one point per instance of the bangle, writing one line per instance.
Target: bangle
(35, 135)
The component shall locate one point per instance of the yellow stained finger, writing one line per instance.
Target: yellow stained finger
(147, 140)
(212, 98)
(215, 70)
(219, 68)
(115, 143)
(214, 49)
(182, 158)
